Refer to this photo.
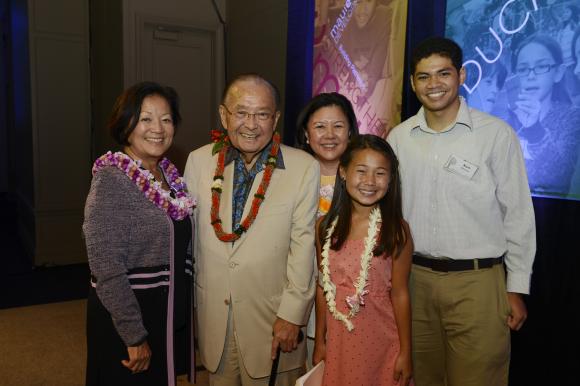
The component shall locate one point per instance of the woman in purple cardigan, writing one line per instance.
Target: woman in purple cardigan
(138, 234)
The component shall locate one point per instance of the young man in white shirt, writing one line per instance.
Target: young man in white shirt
(467, 200)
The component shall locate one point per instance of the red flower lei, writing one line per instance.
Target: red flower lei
(216, 192)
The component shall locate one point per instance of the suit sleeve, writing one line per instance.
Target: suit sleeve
(299, 291)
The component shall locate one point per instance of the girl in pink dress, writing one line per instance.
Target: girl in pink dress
(364, 248)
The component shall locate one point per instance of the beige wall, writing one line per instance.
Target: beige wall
(256, 40)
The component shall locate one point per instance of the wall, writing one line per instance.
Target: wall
(60, 111)
(19, 127)
(256, 41)
(106, 26)
(195, 13)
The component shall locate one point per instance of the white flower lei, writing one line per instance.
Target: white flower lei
(355, 301)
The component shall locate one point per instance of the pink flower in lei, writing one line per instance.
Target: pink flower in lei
(177, 208)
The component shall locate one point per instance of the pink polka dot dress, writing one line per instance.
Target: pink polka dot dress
(366, 355)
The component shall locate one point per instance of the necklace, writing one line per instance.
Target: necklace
(357, 299)
(177, 208)
(216, 190)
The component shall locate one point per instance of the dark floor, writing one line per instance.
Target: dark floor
(22, 283)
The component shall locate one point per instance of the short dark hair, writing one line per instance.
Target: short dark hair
(256, 78)
(125, 115)
(316, 103)
(437, 46)
(392, 235)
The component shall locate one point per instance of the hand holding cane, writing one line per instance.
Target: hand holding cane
(274, 370)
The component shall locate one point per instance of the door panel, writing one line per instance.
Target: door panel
(184, 58)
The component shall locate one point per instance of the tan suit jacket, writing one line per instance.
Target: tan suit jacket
(268, 272)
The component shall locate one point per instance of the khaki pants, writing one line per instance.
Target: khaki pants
(231, 370)
(460, 331)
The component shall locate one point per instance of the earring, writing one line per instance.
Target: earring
(307, 141)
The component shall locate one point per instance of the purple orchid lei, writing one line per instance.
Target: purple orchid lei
(177, 208)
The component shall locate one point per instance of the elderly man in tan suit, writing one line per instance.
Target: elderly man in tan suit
(254, 246)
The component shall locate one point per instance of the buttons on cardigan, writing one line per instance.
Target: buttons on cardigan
(227, 302)
(233, 265)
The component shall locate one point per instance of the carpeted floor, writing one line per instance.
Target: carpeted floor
(44, 345)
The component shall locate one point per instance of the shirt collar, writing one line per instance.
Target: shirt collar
(463, 119)
(232, 153)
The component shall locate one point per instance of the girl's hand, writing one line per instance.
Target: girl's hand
(403, 369)
(319, 353)
(139, 358)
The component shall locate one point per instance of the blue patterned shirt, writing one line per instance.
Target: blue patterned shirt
(243, 179)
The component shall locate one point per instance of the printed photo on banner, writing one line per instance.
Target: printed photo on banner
(359, 51)
(522, 59)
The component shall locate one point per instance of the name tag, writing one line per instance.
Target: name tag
(460, 167)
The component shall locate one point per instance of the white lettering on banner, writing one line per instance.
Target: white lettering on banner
(476, 64)
(470, 89)
(490, 61)
(501, 25)
(342, 20)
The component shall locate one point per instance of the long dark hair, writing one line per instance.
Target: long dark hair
(392, 234)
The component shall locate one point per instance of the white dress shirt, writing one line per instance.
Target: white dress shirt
(465, 191)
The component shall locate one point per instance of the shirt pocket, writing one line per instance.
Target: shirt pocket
(463, 188)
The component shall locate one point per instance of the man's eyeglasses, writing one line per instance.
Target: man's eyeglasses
(538, 70)
(242, 115)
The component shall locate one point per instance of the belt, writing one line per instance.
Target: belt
(447, 265)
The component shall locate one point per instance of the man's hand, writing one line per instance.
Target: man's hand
(285, 336)
(519, 312)
(139, 358)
